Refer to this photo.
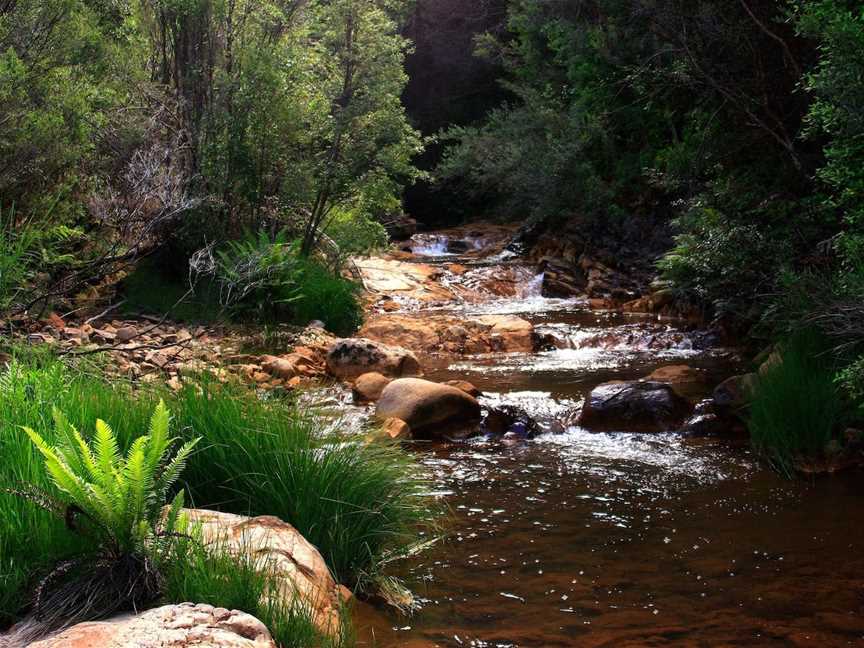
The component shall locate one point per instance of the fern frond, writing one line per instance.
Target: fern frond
(173, 470)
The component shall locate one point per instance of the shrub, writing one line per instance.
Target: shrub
(267, 278)
(355, 234)
(359, 504)
(116, 503)
(17, 255)
(328, 297)
(796, 406)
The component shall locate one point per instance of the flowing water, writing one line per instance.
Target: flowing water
(582, 539)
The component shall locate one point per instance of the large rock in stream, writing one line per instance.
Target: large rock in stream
(635, 406)
(350, 358)
(430, 409)
(277, 548)
(172, 626)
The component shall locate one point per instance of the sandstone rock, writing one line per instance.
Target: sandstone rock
(396, 429)
(285, 368)
(734, 392)
(172, 626)
(675, 375)
(400, 227)
(430, 409)
(350, 358)
(561, 278)
(126, 334)
(634, 406)
(465, 386)
(368, 387)
(509, 333)
(277, 547)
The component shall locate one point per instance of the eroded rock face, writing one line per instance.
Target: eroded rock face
(445, 335)
(351, 358)
(172, 626)
(430, 409)
(277, 547)
(635, 406)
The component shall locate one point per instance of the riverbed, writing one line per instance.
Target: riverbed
(576, 538)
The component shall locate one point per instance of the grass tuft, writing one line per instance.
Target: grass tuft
(796, 407)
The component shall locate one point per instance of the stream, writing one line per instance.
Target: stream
(583, 539)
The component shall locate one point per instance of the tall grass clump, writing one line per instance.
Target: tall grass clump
(360, 504)
(796, 406)
(207, 575)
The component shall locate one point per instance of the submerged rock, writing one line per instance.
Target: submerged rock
(510, 419)
(635, 406)
(350, 358)
(430, 409)
(173, 626)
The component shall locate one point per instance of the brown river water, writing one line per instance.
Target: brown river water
(582, 539)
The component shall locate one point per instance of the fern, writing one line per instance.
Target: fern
(121, 498)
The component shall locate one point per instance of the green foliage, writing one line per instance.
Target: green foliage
(851, 380)
(836, 85)
(17, 256)
(355, 233)
(266, 278)
(207, 575)
(327, 297)
(796, 407)
(120, 499)
(361, 505)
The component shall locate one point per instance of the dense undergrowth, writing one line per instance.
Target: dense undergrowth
(360, 504)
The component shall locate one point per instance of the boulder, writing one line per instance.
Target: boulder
(509, 419)
(350, 358)
(635, 406)
(562, 279)
(400, 227)
(734, 392)
(278, 548)
(459, 247)
(171, 626)
(430, 409)
(710, 420)
(126, 334)
(290, 365)
(684, 379)
(368, 387)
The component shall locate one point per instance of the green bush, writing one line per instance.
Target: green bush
(796, 407)
(355, 234)
(328, 297)
(361, 505)
(266, 278)
(17, 256)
